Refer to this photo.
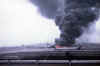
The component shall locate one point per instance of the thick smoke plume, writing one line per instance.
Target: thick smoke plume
(22, 24)
(78, 15)
(48, 8)
(75, 18)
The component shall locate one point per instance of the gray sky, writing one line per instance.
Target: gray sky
(20, 23)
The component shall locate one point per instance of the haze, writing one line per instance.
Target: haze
(20, 23)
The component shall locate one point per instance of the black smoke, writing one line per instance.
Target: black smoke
(48, 8)
(72, 16)
(78, 14)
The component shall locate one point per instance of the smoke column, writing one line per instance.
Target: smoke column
(21, 23)
(78, 16)
(33, 21)
(48, 8)
(77, 19)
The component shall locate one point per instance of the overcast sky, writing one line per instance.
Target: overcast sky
(20, 23)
